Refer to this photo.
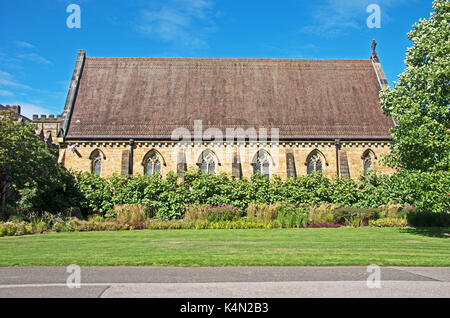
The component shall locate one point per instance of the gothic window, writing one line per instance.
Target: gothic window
(208, 165)
(96, 162)
(97, 167)
(368, 158)
(367, 163)
(152, 165)
(314, 163)
(262, 164)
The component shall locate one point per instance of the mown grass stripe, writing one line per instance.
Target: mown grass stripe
(275, 247)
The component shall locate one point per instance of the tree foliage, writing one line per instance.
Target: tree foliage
(31, 178)
(420, 100)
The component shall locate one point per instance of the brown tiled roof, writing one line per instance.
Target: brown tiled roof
(150, 97)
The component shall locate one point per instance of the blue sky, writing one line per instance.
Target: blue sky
(38, 50)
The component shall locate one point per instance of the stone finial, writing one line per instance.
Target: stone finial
(374, 55)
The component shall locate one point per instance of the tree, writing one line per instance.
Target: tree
(30, 174)
(419, 103)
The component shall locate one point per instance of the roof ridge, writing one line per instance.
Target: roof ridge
(226, 59)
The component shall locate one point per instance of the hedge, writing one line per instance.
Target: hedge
(167, 198)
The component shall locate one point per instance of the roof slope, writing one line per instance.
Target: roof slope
(150, 97)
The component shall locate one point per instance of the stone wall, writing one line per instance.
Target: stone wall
(48, 126)
(114, 156)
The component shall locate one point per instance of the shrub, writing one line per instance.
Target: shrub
(425, 191)
(355, 216)
(91, 226)
(291, 216)
(47, 218)
(240, 224)
(390, 210)
(15, 229)
(130, 213)
(40, 227)
(96, 218)
(263, 212)
(222, 213)
(388, 222)
(200, 225)
(15, 219)
(168, 198)
(73, 212)
(7, 229)
(418, 219)
(323, 225)
(322, 214)
(195, 212)
(59, 227)
(394, 210)
(204, 225)
(294, 220)
(71, 225)
(139, 226)
(178, 225)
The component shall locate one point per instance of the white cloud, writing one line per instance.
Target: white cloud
(8, 62)
(335, 17)
(33, 57)
(186, 22)
(8, 80)
(24, 44)
(6, 93)
(12, 92)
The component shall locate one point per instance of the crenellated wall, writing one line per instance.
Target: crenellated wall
(115, 156)
(49, 126)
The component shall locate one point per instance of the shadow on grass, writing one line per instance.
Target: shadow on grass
(441, 232)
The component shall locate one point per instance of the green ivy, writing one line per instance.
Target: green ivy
(168, 198)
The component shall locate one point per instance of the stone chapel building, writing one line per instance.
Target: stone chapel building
(288, 117)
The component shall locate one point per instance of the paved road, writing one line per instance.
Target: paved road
(225, 282)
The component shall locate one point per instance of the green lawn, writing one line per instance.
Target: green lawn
(293, 247)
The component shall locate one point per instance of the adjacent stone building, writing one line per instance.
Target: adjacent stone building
(16, 111)
(49, 127)
(287, 117)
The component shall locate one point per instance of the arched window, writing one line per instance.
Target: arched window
(315, 162)
(367, 163)
(206, 162)
(153, 162)
(261, 163)
(96, 162)
(368, 159)
(97, 166)
(152, 165)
